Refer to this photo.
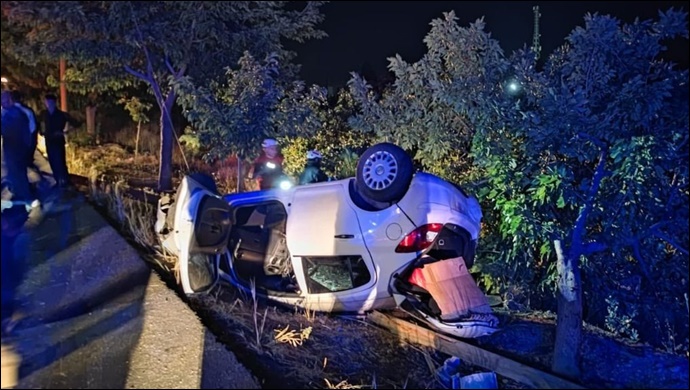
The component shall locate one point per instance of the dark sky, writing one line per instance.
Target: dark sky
(366, 33)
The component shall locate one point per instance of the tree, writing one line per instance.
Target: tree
(137, 110)
(30, 80)
(34, 71)
(608, 132)
(160, 42)
(585, 163)
(233, 117)
(427, 109)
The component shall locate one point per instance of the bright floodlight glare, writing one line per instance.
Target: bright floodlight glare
(285, 185)
(4, 80)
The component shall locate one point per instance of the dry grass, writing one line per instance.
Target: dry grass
(290, 336)
(135, 219)
(342, 385)
(307, 351)
(258, 329)
(310, 315)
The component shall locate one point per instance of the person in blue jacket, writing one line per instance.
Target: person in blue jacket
(16, 143)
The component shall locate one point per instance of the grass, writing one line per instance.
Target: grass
(258, 329)
(290, 336)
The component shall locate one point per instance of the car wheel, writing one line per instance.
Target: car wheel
(206, 181)
(384, 172)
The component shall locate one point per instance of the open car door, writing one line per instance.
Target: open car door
(201, 229)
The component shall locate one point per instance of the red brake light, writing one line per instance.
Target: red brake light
(419, 239)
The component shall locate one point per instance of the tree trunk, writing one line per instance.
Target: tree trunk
(136, 143)
(240, 176)
(569, 320)
(91, 119)
(167, 134)
(63, 85)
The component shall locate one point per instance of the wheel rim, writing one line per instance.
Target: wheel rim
(380, 170)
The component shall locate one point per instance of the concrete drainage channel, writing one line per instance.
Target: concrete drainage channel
(99, 317)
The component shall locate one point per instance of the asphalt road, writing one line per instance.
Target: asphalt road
(98, 316)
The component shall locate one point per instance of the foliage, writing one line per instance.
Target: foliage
(233, 117)
(158, 42)
(136, 108)
(191, 142)
(441, 109)
(335, 139)
(592, 150)
(620, 324)
(430, 108)
(31, 81)
(600, 147)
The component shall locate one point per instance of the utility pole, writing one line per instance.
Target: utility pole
(536, 43)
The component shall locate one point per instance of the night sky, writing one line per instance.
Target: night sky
(363, 34)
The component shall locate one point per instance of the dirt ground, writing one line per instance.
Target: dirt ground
(353, 352)
(340, 351)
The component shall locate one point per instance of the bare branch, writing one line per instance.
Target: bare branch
(594, 247)
(169, 65)
(599, 174)
(137, 74)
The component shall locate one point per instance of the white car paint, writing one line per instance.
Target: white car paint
(323, 221)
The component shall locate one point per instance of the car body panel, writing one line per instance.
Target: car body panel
(192, 202)
(430, 199)
(327, 223)
(341, 255)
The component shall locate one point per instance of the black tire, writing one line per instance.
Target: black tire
(384, 172)
(206, 181)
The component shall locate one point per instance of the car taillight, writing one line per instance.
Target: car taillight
(419, 239)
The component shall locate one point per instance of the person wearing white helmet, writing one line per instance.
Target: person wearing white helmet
(268, 167)
(312, 172)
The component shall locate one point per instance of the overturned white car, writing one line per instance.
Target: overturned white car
(388, 237)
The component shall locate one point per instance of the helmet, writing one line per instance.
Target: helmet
(313, 155)
(268, 142)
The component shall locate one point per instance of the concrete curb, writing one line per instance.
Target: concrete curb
(100, 318)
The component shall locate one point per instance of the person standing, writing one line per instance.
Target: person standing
(268, 167)
(55, 122)
(16, 142)
(312, 172)
(33, 162)
(33, 124)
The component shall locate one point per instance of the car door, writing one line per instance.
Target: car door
(201, 230)
(324, 237)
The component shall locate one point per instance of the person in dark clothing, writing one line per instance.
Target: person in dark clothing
(268, 167)
(312, 172)
(15, 245)
(55, 122)
(16, 142)
(33, 124)
(33, 164)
